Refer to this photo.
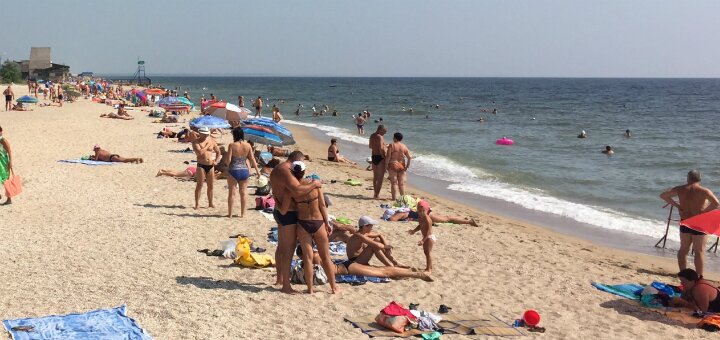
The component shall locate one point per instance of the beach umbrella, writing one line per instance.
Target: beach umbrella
(279, 130)
(262, 137)
(210, 122)
(27, 99)
(155, 92)
(174, 101)
(708, 222)
(227, 111)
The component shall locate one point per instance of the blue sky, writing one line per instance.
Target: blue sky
(473, 38)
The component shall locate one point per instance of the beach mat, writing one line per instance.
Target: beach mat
(85, 161)
(359, 279)
(463, 324)
(628, 290)
(106, 324)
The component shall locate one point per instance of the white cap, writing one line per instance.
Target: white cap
(204, 130)
(297, 166)
(365, 220)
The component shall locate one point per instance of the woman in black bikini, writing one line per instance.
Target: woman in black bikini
(312, 224)
(698, 293)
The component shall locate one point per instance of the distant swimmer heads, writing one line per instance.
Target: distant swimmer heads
(582, 134)
(608, 150)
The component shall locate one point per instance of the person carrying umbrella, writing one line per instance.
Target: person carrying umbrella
(9, 97)
(693, 199)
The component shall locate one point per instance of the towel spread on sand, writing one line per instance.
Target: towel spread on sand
(86, 162)
(452, 324)
(628, 290)
(113, 324)
(348, 278)
(338, 248)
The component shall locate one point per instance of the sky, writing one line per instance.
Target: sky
(452, 38)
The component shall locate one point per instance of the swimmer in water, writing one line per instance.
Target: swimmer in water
(582, 134)
(608, 150)
(627, 133)
(481, 120)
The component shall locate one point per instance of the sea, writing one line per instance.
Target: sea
(673, 126)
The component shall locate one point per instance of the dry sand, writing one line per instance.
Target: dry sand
(83, 237)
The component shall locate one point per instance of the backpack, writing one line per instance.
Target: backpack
(297, 274)
(262, 191)
(264, 202)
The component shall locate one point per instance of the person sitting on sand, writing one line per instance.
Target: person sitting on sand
(608, 150)
(169, 117)
(189, 172)
(334, 154)
(121, 114)
(582, 134)
(281, 152)
(698, 294)
(311, 226)
(364, 244)
(167, 133)
(105, 156)
(436, 218)
(425, 226)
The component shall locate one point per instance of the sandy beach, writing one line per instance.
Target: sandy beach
(83, 237)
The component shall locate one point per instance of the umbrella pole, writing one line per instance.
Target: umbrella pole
(714, 246)
(667, 229)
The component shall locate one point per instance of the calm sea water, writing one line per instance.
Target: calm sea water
(673, 124)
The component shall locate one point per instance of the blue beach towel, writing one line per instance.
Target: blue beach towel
(629, 290)
(338, 248)
(360, 279)
(106, 324)
(86, 162)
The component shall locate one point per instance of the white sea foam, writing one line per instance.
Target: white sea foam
(479, 182)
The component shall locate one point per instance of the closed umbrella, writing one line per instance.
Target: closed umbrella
(210, 122)
(279, 130)
(27, 100)
(229, 112)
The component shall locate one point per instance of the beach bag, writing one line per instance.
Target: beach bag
(263, 190)
(297, 274)
(264, 202)
(13, 185)
(394, 323)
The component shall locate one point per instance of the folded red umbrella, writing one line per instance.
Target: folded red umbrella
(708, 222)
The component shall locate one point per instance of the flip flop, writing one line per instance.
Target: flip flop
(413, 306)
(444, 309)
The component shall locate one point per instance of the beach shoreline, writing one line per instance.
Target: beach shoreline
(476, 204)
(86, 237)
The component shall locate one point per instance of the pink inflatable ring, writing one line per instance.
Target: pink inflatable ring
(504, 141)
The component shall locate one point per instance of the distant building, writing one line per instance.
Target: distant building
(86, 74)
(40, 66)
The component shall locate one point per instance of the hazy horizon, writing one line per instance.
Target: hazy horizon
(403, 38)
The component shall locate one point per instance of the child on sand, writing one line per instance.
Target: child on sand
(425, 226)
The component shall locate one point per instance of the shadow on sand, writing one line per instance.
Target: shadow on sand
(196, 215)
(150, 205)
(210, 283)
(633, 308)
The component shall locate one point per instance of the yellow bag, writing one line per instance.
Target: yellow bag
(247, 259)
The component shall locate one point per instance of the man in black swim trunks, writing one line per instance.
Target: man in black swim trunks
(378, 147)
(208, 155)
(694, 199)
(283, 182)
(9, 97)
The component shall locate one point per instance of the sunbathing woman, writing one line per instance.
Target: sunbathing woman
(312, 226)
(106, 156)
(187, 173)
(121, 114)
(698, 294)
(436, 218)
(334, 154)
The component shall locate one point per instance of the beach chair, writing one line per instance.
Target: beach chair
(663, 239)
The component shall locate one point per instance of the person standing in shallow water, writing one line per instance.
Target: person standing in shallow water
(258, 104)
(693, 199)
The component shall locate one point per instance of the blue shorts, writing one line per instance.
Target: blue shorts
(240, 174)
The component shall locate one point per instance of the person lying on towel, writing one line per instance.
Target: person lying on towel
(698, 293)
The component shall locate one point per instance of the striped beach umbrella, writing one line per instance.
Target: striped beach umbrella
(262, 137)
(277, 129)
(210, 122)
(227, 111)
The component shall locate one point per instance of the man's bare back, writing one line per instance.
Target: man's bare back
(398, 152)
(377, 144)
(693, 199)
(279, 180)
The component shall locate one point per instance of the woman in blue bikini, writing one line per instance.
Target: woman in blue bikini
(238, 155)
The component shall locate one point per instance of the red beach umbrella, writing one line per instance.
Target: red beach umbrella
(708, 222)
(227, 111)
(155, 91)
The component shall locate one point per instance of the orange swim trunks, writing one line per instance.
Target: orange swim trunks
(396, 166)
